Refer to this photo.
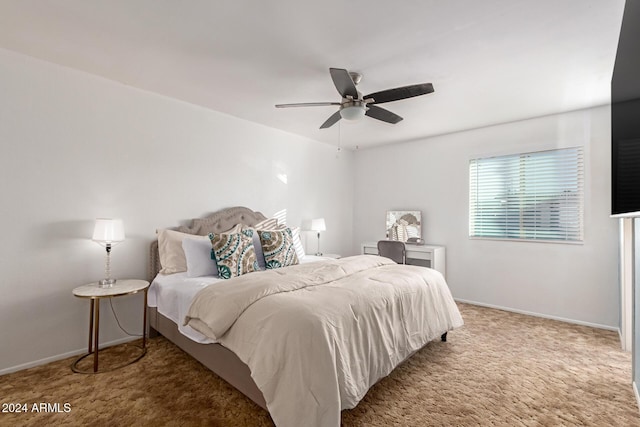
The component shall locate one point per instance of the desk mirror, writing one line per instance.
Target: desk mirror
(403, 225)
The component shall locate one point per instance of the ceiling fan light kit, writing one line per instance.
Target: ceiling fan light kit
(354, 106)
(353, 111)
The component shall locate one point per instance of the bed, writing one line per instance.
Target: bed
(317, 335)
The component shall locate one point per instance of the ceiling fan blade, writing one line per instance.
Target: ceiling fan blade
(331, 120)
(343, 82)
(307, 104)
(382, 114)
(400, 93)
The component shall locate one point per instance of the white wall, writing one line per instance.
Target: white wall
(573, 282)
(75, 147)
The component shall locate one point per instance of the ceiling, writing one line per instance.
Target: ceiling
(490, 61)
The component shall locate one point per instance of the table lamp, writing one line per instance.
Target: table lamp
(318, 225)
(108, 232)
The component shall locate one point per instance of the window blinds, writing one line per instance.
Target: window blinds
(530, 196)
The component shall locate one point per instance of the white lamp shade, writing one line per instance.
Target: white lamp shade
(318, 224)
(108, 230)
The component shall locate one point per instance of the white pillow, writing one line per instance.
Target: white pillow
(198, 253)
(297, 244)
(170, 250)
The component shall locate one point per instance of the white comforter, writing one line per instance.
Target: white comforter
(317, 336)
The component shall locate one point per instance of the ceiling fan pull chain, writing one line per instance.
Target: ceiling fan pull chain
(339, 140)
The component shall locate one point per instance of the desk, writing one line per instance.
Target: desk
(431, 256)
(95, 294)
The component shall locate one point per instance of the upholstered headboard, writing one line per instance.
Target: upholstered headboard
(217, 222)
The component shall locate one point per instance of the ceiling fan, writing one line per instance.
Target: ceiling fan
(355, 106)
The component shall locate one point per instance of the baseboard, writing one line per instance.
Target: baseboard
(127, 339)
(61, 356)
(635, 391)
(544, 316)
(622, 343)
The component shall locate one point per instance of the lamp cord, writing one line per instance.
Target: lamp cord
(118, 321)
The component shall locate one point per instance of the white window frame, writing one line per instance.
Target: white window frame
(535, 196)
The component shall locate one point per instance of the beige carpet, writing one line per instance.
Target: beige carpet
(500, 369)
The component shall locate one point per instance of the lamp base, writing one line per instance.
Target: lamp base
(106, 283)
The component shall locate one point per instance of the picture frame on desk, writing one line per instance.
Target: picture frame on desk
(403, 225)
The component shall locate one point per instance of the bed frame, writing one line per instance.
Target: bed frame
(219, 359)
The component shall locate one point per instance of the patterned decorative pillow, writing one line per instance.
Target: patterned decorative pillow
(234, 252)
(267, 224)
(277, 246)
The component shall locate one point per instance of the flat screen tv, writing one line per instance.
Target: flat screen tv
(625, 117)
(625, 175)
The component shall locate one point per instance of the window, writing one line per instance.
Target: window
(527, 196)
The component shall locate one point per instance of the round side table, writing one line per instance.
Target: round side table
(95, 293)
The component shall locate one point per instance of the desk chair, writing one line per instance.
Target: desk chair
(392, 249)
